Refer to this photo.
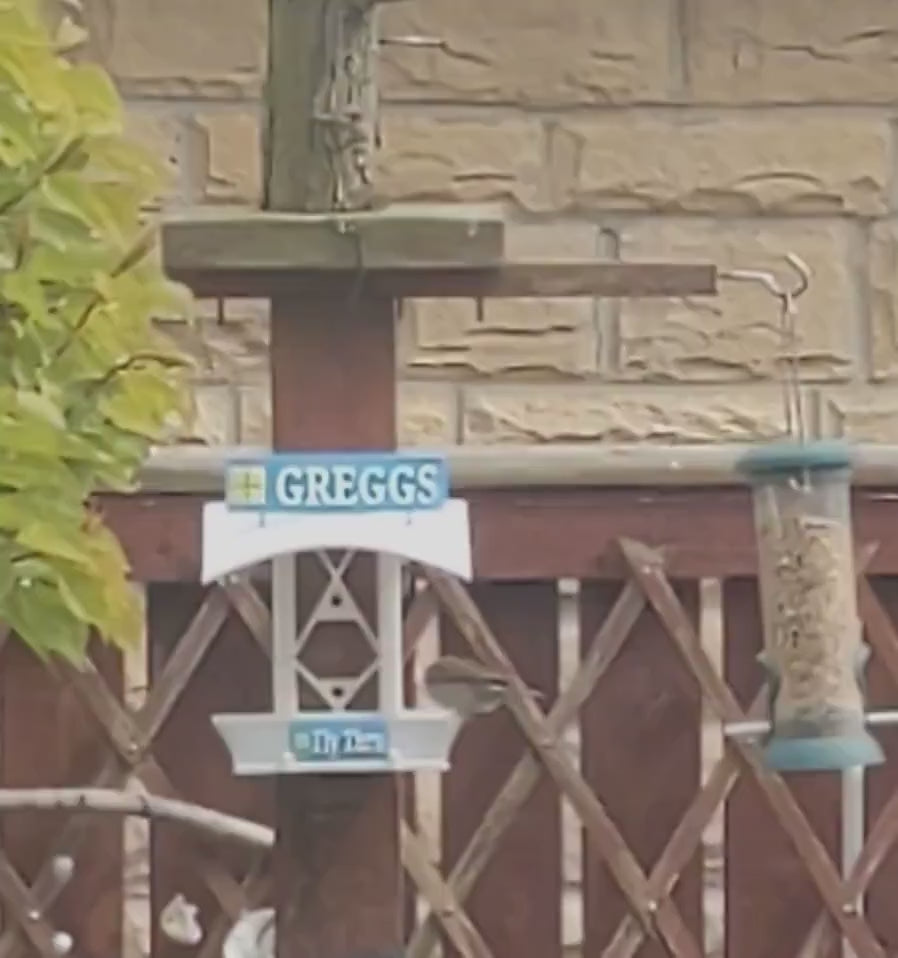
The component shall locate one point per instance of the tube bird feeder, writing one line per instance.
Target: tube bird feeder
(813, 652)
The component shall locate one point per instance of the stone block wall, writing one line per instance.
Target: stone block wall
(723, 130)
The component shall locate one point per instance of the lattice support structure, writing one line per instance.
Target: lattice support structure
(648, 890)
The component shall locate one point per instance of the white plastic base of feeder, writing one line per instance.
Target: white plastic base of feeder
(260, 744)
(233, 540)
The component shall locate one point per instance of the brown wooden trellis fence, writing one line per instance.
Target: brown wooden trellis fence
(638, 555)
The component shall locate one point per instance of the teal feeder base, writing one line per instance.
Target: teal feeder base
(822, 753)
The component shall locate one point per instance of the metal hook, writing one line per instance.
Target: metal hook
(771, 282)
(792, 398)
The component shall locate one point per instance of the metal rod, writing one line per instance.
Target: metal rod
(431, 43)
(853, 829)
(389, 634)
(194, 469)
(754, 729)
(283, 628)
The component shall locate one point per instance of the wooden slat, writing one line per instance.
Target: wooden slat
(41, 896)
(509, 281)
(770, 898)
(208, 242)
(519, 785)
(461, 932)
(641, 755)
(537, 534)
(49, 738)
(821, 941)
(182, 664)
(603, 834)
(253, 892)
(18, 903)
(647, 568)
(879, 608)
(524, 616)
(129, 736)
(232, 675)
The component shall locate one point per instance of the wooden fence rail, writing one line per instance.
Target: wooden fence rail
(620, 743)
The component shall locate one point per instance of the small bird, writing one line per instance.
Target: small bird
(466, 687)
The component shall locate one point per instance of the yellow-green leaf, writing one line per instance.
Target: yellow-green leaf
(86, 380)
(40, 405)
(36, 611)
(51, 541)
(69, 36)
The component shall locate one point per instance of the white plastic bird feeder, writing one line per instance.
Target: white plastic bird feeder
(395, 506)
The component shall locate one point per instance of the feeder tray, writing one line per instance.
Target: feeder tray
(263, 525)
(338, 742)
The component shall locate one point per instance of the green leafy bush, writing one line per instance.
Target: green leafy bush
(86, 380)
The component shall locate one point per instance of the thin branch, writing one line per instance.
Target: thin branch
(94, 386)
(51, 165)
(117, 802)
(132, 362)
(137, 252)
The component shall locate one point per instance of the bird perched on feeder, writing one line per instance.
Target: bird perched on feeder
(467, 687)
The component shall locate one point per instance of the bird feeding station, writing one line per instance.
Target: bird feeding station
(813, 651)
(394, 506)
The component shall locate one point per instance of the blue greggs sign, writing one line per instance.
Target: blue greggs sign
(337, 482)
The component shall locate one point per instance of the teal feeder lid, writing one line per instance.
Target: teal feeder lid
(789, 457)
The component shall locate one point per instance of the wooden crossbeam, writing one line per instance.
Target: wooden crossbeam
(683, 843)
(580, 280)
(254, 890)
(647, 569)
(402, 250)
(459, 928)
(519, 785)
(883, 637)
(676, 856)
(27, 906)
(131, 738)
(600, 829)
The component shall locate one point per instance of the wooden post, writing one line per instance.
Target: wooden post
(336, 859)
(321, 105)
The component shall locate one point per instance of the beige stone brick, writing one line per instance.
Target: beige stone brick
(171, 48)
(428, 415)
(862, 415)
(160, 134)
(511, 336)
(883, 284)
(215, 416)
(723, 164)
(255, 414)
(531, 52)
(435, 159)
(555, 240)
(234, 351)
(736, 335)
(518, 414)
(795, 52)
(233, 155)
